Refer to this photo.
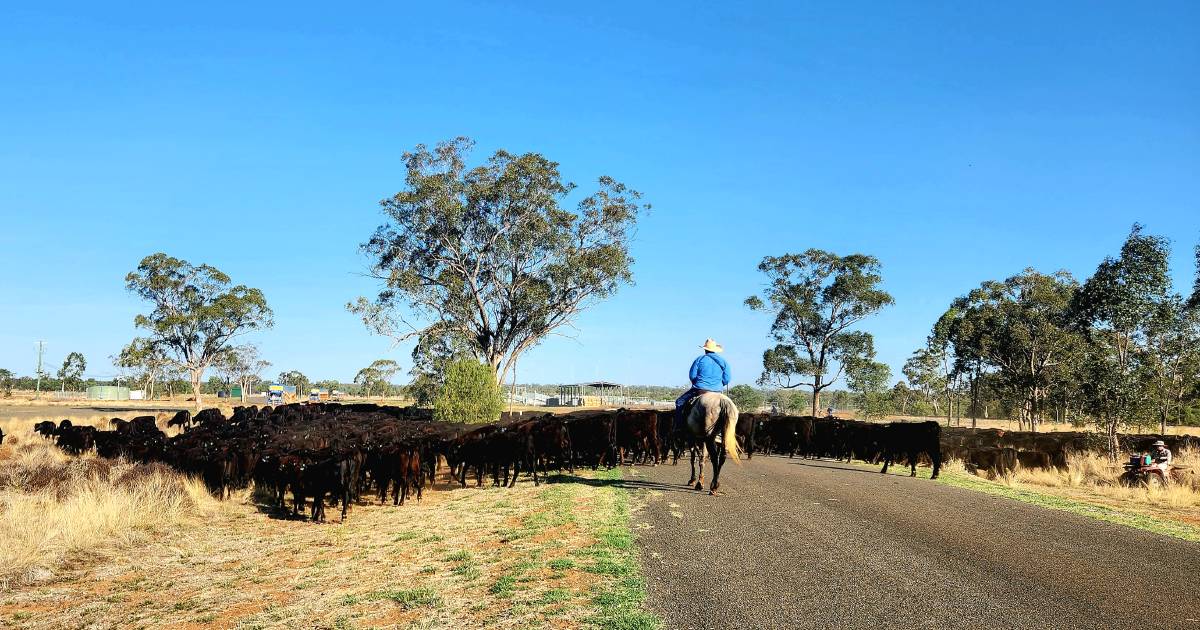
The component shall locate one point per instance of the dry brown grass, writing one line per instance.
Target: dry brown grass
(92, 543)
(1093, 478)
(54, 508)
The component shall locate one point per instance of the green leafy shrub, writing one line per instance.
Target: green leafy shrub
(469, 393)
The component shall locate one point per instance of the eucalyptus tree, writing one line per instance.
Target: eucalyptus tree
(816, 298)
(490, 255)
(378, 374)
(901, 396)
(197, 311)
(926, 375)
(1021, 327)
(296, 379)
(962, 335)
(1117, 307)
(869, 379)
(1170, 360)
(243, 364)
(147, 362)
(72, 370)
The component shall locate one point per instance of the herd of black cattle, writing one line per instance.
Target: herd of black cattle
(340, 453)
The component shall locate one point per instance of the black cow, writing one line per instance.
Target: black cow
(910, 439)
(76, 440)
(593, 439)
(143, 425)
(45, 428)
(994, 461)
(182, 419)
(637, 434)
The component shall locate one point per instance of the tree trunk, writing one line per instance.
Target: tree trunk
(975, 400)
(1112, 438)
(495, 361)
(197, 375)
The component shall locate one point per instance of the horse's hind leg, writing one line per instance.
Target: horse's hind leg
(698, 451)
(716, 454)
(691, 480)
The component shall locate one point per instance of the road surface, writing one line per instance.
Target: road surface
(817, 544)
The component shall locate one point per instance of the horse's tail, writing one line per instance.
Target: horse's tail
(731, 419)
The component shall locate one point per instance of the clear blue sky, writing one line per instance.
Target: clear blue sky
(958, 142)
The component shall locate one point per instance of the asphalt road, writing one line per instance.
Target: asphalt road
(817, 544)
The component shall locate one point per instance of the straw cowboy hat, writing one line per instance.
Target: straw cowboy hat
(1159, 443)
(712, 346)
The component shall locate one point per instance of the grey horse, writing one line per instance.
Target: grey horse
(712, 426)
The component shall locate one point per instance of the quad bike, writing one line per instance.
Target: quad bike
(1141, 470)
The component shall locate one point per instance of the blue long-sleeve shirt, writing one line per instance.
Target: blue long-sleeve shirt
(710, 372)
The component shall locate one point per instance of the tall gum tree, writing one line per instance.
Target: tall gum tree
(816, 298)
(244, 365)
(197, 312)
(1116, 308)
(489, 257)
(72, 370)
(1021, 327)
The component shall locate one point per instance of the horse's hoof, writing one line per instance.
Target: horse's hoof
(699, 486)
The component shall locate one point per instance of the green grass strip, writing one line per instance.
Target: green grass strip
(621, 599)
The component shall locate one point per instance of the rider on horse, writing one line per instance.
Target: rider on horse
(709, 373)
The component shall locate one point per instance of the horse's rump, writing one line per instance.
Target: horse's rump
(714, 416)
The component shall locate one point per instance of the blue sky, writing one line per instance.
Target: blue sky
(958, 142)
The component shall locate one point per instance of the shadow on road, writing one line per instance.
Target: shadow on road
(838, 468)
(630, 484)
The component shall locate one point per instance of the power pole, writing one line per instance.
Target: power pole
(41, 350)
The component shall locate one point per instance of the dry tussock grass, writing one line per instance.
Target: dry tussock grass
(54, 508)
(1098, 474)
(1093, 477)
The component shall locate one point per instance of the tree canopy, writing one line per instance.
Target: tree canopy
(72, 369)
(146, 361)
(379, 373)
(242, 364)
(816, 298)
(488, 257)
(296, 379)
(196, 313)
(746, 397)
(1120, 348)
